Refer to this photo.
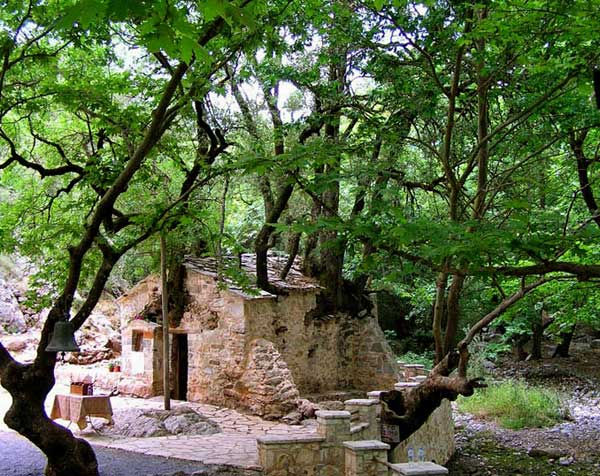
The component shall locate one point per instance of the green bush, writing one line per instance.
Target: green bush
(515, 405)
(481, 351)
(425, 358)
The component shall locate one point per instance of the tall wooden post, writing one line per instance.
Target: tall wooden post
(165, 321)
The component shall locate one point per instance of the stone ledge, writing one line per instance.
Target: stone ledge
(403, 385)
(426, 468)
(357, 428)
(419, 378)
(287, 440)
(333, 415)
(375, 394)
(361, 402)
(366, 445)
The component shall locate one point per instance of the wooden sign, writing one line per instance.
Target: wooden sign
(390, 433)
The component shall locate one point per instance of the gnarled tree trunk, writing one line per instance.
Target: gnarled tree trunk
(29, 386)
(411, 409)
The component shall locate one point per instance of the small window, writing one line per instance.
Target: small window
(137, 341)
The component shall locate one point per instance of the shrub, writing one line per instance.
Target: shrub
(425, 358)
(515, 405)
(482, 351)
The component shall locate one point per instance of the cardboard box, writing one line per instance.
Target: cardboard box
(78, 388)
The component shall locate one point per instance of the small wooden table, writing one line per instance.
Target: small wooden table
(76, 408)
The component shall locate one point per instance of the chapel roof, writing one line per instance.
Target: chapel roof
(294, 280)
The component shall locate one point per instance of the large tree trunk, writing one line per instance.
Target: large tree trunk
(453, 312)
(29, 386)
(439, 308)
(519, 347)
(261, 244)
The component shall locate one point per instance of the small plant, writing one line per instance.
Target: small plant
(111, 366)
(515, 405)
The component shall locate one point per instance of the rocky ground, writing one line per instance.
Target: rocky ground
(20, 324)
(140, 423)
(569, 448)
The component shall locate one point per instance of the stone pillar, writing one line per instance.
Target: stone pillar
(366, 458)
(289, 455)
(366, 410)
(374, 395)
(333, 426)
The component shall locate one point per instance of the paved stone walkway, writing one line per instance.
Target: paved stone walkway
(234, 446)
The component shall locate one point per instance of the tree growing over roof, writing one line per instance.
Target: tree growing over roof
(451, 160)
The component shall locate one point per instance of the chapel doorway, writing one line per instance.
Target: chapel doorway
(179, 365)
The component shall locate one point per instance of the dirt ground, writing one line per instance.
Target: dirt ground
(569, 448)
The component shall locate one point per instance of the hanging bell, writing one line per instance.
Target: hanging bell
(63, 338)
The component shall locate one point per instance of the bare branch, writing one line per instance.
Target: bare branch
(44, 172)
(503, 306)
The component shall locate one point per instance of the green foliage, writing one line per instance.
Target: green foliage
(424, 358)
(515, 405)
(99, 67)
(483, 352)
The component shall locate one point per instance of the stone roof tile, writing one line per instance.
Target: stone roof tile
(295, 280)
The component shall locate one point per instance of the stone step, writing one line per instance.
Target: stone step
(425, 468)
(404, 385)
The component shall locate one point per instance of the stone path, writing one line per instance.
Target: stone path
(234, 446)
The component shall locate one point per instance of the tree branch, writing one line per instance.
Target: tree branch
(503, 306)
(44, 172)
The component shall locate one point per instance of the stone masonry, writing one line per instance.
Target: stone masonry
(260, 352)
(348, 443)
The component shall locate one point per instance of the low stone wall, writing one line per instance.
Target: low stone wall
(332, 452)
(434, 441)
(320, 455)
(99, 376)
(348, 442)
